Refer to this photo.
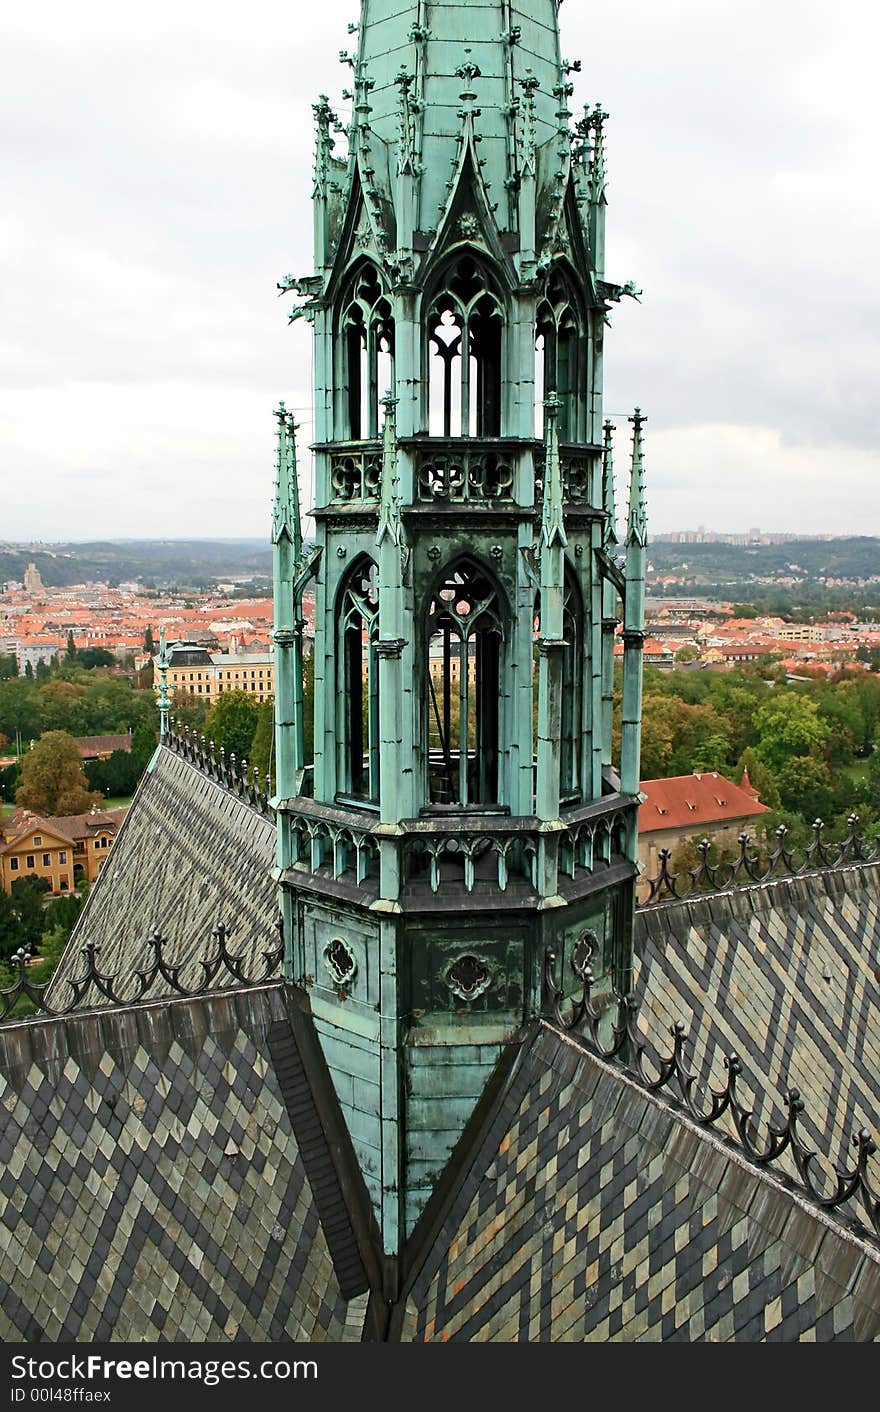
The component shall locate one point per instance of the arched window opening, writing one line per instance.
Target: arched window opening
(359, 683)
(558, 356)
(572, 691)
(368, 341)
(465, 324)
(465, 632)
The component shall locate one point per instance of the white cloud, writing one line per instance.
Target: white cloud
(157, 171)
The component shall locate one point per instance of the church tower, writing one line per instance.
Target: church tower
(465, 819)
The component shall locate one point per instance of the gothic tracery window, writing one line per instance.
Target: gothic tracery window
(465, 325)
(368, 351)
(465, 632)
(572, 689)
(559, 355)
(358, 687)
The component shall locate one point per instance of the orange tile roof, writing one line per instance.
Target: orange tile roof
(695, 800)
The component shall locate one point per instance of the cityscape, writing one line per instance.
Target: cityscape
(439, 819)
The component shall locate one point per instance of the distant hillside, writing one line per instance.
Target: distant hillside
(186, 563)
(854, 558)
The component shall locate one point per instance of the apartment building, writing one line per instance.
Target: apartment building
(196, 671)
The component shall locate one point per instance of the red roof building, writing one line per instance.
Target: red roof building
(702, 805)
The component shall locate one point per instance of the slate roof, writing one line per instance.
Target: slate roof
(190, 855)
(589, 1210)
(157, 1186)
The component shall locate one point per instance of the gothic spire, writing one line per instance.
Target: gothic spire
(637, 524)
(608, 503)
(286, 510)
(552, 523)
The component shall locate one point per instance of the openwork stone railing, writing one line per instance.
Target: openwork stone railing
(334, 843)
(754, 865)
(356, 472)
(578, 466)
(828, 1185)
(93, 987)
(460, 472)
(455, 853)
(461, 854)
(234, 775)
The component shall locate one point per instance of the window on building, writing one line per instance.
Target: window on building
(464, 329)
(465, 634)
(13, 865)
(47, 860)
(38, 839)
(97, 845)
(62, 856)
(572, 688)
(358, 631)
(560, 355)
(30, 861)
(64, 885)
(367, 347)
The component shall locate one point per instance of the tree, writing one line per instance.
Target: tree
(52, 778)
(760, 777)
(18, 709)
(149, 645)
(805, 788)
(70, 654)
(788, 724)
(27, 905)
(95, 657)
(143, 745)
(231, 723)
(262, 750)
(8, 666)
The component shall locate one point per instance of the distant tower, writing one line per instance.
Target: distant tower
(462, 813)
(33, 582)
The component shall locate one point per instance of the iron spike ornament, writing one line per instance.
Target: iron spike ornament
(669, 1073)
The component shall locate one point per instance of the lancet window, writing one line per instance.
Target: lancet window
(367, 347)
(358, 685)
(465, 636)
(572, 723)
(559, 355)
(465, 327)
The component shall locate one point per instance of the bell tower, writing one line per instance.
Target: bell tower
(462, 814)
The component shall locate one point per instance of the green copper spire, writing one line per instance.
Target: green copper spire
(608, 502)
(285, 508)
(637, 524)
(634, 620)
(448, 835)
(164, 697)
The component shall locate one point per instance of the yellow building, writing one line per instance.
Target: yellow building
(64, 851)
(198, 672)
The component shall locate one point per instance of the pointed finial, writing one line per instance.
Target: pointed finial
(468, 71)
(596, 121)
(552, 521)
(285, 511)
(389, 502)
(608, 504)
(637, 524)
(406, 146)
(529, 142)
(324, 144)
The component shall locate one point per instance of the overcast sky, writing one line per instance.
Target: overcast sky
(155, 184)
